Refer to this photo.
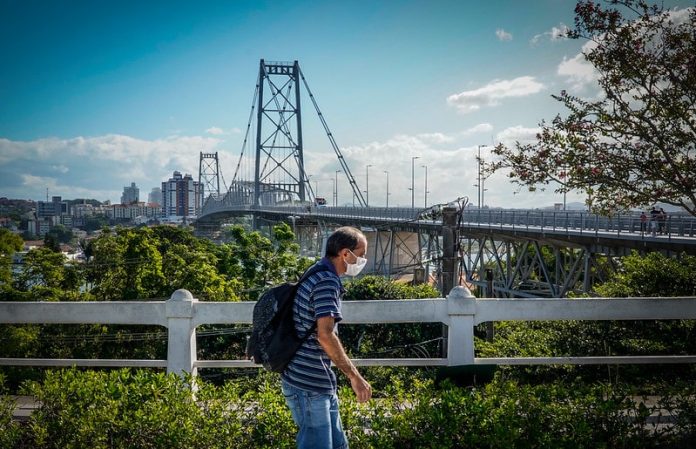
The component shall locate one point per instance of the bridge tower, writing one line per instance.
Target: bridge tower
(279, 113)
(279, 171)
(209, 174)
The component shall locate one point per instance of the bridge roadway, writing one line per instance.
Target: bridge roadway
(559, 228)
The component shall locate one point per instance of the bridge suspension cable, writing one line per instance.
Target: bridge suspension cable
(344, 165)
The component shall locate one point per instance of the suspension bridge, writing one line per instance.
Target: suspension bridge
(506, 252)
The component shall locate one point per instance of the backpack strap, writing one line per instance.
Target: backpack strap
(316, 268)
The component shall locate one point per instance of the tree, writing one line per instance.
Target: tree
(651, 275)
(61, 234)
(258, 261)
(10, 243)
(47, 269)
(636, 144)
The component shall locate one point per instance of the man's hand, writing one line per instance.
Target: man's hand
(362, 389)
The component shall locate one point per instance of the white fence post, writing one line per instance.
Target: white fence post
(461, 308)
(181, 344)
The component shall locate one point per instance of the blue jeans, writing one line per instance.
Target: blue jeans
(317, 417)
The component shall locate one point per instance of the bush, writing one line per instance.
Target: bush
(147, 409)
(9, 430)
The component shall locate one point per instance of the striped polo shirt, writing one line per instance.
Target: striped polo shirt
(318, 296)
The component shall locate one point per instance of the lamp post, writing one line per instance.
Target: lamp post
(479, 176)
(336, 188)
(316, 185)
(387, 187)
(367, 185)
(413, 189)
(425, 201)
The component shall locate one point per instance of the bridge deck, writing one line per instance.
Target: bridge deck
(570, 229)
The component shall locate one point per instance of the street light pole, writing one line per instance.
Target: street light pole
(387, 187)
(425, 201)
(479, 176)
(367, 185)
(336, 188)
(413, 187)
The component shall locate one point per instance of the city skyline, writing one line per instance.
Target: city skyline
(97, 98)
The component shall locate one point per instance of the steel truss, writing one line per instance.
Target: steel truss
(529, 268)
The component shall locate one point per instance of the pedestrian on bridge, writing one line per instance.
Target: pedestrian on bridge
(308, 383)
(654, 213)
(643, 222)
(662, 220)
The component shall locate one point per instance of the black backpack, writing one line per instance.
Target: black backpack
(274, 340)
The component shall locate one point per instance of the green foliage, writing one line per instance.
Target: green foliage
(95, 223)
(47, 273)
(258, 261)
(10, 432)
(60, 234)
(146, 409)
(377, 287)
(651, 275)
(10, 243)
(412, 340)
(152, 263)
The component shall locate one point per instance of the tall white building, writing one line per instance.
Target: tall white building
(130, 194)
(181, 196)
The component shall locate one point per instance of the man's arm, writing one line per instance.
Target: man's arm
(334, 349)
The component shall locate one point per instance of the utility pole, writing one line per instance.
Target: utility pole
(413, 186)
(387, 187)
(336, 188)
(425, 201)
(479, 176)
(367, 185)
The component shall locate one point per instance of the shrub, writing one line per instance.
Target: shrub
(147, 409)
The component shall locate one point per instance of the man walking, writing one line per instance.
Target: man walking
(309, 384)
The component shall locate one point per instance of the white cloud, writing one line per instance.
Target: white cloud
(493, 92)
(67, 191)
(556, 33)
(99, 167)
(478, 129)
(435, 137)
(215, 131)
(102, 164)
(452, 172)
(503, 35)
(517, 133)
(577, 71)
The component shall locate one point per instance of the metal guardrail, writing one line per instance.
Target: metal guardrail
(573, 222)
(460, 311)
(675, 225)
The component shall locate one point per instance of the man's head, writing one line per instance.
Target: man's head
(345, 246)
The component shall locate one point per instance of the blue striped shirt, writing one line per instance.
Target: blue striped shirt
(318, 296)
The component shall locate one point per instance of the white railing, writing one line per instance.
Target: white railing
(460, 311)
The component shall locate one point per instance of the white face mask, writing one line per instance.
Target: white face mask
(354, 269)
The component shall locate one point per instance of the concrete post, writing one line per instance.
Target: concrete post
(449, 244)
(449, 260)
(181, 345)
(461, 308)
(490, 330)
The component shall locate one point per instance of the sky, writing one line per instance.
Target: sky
(95, 95)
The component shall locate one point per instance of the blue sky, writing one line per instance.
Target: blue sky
(95, 95)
